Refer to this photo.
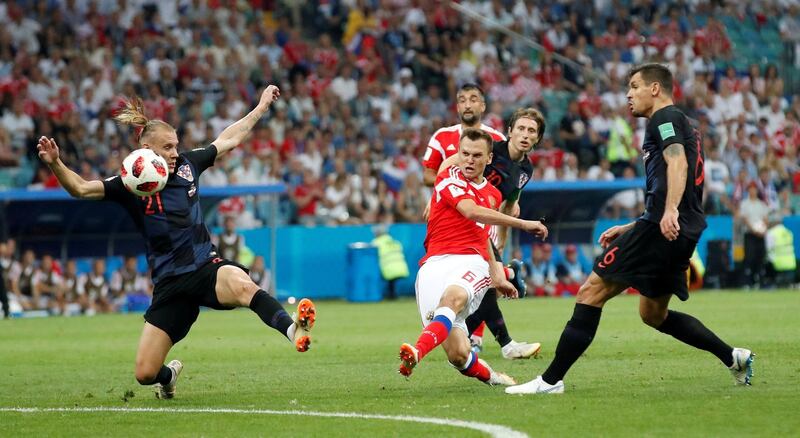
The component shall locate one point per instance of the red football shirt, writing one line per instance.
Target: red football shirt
(449, 232)
(444, 143)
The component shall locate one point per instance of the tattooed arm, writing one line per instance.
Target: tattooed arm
(677, 168)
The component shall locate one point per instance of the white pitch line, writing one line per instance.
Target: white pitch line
(493, 430)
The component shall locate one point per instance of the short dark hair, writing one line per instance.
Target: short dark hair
(476, 134)
(654, 72)
(531, 113)
(471, 86)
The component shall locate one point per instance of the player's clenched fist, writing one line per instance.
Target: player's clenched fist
(536, 228)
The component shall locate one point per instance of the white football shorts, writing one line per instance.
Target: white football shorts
(468, 271)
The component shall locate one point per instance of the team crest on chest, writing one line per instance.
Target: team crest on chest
(185, 172)
(523, 178)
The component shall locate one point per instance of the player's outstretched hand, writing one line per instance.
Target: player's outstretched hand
(669, 224)
(48, 150)
(270, 94)
(506, 288)
(536, 228)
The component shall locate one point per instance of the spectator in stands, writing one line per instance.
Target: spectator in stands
(93, 288)
(717, 181)
(753, 213)
(570, 272)
(542, 279)
(229, 243)
(411, 200)
(70, 302)
(4, 286)
(627, 203)
(261, 276)
(46, 285)
(128, 281)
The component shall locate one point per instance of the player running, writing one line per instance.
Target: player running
(458, 266)
(186, 269)
(652, 253)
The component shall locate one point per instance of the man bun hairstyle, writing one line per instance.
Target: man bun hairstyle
(132, 113)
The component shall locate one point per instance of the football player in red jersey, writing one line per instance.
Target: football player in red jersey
(458, 266)
(471, 105)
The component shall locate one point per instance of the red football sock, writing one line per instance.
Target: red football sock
(433, 334)
(476, 369)
(479, 331)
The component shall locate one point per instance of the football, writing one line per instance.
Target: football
(144, 172)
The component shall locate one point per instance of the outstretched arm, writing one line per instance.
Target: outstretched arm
(71, 181)
(677, 168)
(233, 135)
(472, 211)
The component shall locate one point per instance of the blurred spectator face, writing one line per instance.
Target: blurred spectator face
(71, 268)
(47, 263)
(537, 255)
(230, 224)
(523, 135)
(99, 267)
(28, 257)
(258, 264)
(130, 264)
(571, 253)
(471, 106)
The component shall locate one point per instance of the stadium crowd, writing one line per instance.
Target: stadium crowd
(365, 84)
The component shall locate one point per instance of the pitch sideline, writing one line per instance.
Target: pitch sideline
(493, 430)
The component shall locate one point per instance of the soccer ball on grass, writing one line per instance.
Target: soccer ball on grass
(144, 172)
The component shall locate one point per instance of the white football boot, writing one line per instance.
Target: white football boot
(742, 368)
(537, 386)
(167, 391)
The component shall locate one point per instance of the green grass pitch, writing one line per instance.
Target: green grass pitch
(633, 381)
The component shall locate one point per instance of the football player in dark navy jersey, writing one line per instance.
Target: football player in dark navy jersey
(187, 271)
(651, 254)
(509, 171)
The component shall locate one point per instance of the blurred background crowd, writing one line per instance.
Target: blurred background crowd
(365, 84)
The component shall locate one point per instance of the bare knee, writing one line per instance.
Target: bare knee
(234, 287)
(458, 356)
(653, 317)
(595, 291)
(455, 298)
(146, 373)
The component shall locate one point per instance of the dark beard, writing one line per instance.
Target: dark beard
(473, 119)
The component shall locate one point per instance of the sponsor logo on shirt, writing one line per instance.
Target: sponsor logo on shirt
(451, 147)
(185, 172)
(192, 190)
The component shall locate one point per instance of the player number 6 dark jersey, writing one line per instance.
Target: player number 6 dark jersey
(667, 126)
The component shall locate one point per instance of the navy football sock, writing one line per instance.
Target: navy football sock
(690, 330)
(271, 312)
(575, 339)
